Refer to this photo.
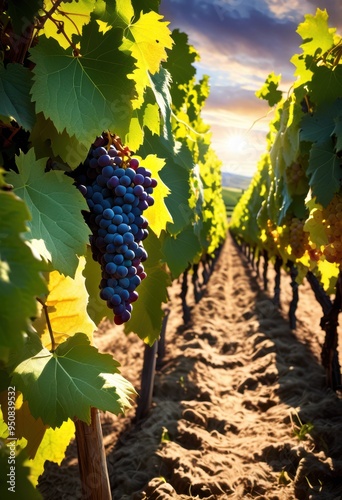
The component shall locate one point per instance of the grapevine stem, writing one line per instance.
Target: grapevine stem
(48, 323)
(50, 12)
(24, 47)
(14, 132)
(60, 26)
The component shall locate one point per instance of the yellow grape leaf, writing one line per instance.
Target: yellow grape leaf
(147, 41)
(124, 10)
(25, 425)
(158, 215)
(152, 118)
(73, 16)
(67, 307)
(329, 274)
(316, 25)
(316, 230)
(52, 447)
(3, 426)
(40, 442)
(135, 135)
(150, 38)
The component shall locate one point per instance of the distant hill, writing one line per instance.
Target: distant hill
(235, 181)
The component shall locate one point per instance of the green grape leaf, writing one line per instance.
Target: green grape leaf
(291, 135)
(337, 132)
(67, 383)
(324, 171)
(316, 35)
(15, 86)
(160, 83)
(326, 85)
(55, 205)
(23, 13)
(269, 91)
(146, 6)
(178, 181)
(324, 168)
(47, 142)
(20, 273)
(319, 126)
(181, 250)
(180, 153)
(84, 95)
(180, 66)
(181, 59)
(123, 389)
(147, 312)
(286, 197)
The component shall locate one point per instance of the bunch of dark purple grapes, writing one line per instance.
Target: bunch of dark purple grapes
(118, 190)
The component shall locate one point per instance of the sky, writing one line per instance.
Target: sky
(240, 42)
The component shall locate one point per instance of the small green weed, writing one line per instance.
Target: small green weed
(301, 430)
(284, 478)
(165, 437)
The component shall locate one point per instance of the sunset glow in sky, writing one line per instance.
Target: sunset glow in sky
(240, 42)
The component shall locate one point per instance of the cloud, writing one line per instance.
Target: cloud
(240, 42)
(237, 101)
(255, 31)
(258, 34)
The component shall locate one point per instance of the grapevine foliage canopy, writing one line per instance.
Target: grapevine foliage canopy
(65, 304)
(77, 93)
(20, 278)
(55, 207)
(66, 383)
(296, 192)
(269, 90)
(70, 72)
(15, 84)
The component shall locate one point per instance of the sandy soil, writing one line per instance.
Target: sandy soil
(240, 408)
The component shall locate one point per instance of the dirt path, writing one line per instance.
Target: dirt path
(235, 387)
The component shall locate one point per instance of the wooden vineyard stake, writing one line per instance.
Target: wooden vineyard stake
(161, 341)
(147, 381)
(92, 459)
